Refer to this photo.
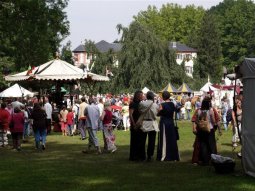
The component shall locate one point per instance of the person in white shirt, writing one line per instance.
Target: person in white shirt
(76, 108)
(188, 108)
(48, 110)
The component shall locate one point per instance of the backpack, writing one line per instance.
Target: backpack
(203, 122)
(229, 115)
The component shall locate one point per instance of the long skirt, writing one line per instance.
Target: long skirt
(109, 137)
(167, 141)
(207, 146)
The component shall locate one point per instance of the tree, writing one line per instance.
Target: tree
(209, 50)
(237, 24)
(31, 31)
(145, 60)
(66, 53)
(172, 22)
(6, 68)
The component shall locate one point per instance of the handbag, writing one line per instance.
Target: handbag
(139, 122)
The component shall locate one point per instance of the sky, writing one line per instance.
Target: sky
(97, 20)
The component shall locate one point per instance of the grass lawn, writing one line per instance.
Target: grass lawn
(63, 167)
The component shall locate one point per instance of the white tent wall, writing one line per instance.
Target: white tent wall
(247, 69)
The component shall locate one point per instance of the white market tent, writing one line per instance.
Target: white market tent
(16, 91)
(247, 73)
(56, 70)
(208, 87)
(145, 90)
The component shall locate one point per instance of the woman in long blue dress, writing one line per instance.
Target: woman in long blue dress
(167, 139)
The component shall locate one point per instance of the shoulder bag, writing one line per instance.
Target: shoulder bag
(139, 122)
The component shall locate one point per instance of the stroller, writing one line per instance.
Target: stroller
(117, 120)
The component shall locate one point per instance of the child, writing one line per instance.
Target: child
(70, 121)
(63, 122)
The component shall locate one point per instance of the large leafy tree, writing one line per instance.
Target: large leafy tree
(31, 31)
(172, 22)
(66, 53)
(145, 60)
(237, 23)
(208, 46)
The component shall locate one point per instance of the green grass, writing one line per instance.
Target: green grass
(63, 167)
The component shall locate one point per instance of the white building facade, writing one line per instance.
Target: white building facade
(186, 55)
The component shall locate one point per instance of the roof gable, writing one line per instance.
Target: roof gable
(179, 47)
(102, 46)
(80, 48)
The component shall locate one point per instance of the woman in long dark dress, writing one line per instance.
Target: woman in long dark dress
(136, 153)
(167, 139)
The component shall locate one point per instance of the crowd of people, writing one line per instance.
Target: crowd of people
(139, 114)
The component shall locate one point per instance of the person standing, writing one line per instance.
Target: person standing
(109, 137)
(205, 142)
(167, 138)
(125, 113)
(70, 121)
(188, 108)
(48, 110)
(92, 118)
(135, 153)
(76, 116)
(224, 111)
(63, 120)
(4, 125)
(26, 122)
(17, 118)
(150, 126)
(39, 117)
(237, 120)
(82, 118)
(101, 110)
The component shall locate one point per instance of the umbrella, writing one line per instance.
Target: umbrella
(16, 91)
(184, 88)
(115, 107)
(170, 88)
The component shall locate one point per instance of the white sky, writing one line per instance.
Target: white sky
(97, 20)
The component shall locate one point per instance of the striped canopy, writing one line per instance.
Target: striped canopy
(184, 89)
(58, 70)
(170, 88)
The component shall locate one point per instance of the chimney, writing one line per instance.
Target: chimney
(174, 44)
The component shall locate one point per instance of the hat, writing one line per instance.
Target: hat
(107, 104)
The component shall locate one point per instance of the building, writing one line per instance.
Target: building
(183, 54)
(82, 57)
(186, 55)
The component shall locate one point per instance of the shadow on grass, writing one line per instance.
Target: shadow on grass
(62, 166)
